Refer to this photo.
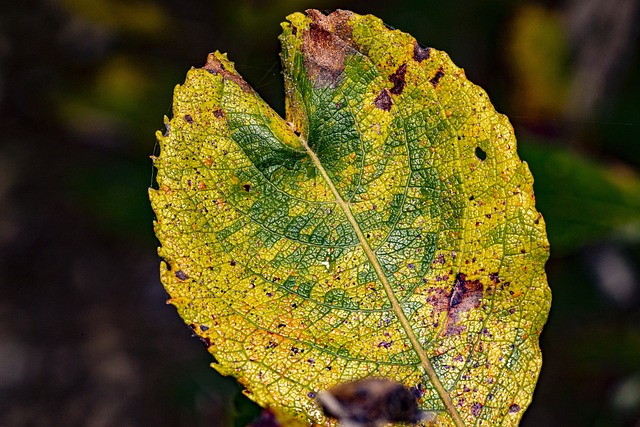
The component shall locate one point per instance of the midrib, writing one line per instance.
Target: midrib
(426, 363)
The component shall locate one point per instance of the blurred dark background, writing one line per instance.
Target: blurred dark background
(85, 336)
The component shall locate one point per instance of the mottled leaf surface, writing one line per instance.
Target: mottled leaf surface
(386, 228)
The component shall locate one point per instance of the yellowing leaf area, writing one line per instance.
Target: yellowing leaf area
(385, 228)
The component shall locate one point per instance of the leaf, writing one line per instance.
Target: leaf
(587, 201)
(387, 228)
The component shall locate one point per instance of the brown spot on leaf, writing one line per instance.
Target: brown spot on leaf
(246, 187)
(465, 295)
(436, 79)
(420, 53)
(181, 275)
(214, 66)
(398, 80)
(188, 118)
(325, 46)
(383, 100)
(219, 113)
(514, 408)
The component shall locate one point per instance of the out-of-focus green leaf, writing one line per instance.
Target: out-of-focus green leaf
(387, 228)
(583, 201)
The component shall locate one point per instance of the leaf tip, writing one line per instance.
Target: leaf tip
(325, 46)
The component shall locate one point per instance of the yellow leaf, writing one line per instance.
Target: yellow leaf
(386, 228)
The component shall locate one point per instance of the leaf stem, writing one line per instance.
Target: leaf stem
(426, 363)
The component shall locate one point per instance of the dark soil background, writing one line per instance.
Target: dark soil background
(86, 338)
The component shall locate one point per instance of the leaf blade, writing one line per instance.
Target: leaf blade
(313, 238)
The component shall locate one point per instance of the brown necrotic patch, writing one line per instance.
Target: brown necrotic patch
(383, 100)
(325, 46)
(219, 113)
(214, 66)
(398, 80)
(436, 79)
(465, 295)
(420, 53)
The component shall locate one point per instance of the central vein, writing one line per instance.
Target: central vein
(426, 363)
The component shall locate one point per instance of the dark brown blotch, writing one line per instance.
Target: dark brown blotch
(398, 80)
(436, 79)
(219, 113)
(383, 100)
(465, 296)
(181, 275)
(188, 118)
(420, 53)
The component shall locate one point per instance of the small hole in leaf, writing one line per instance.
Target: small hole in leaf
(480, 153)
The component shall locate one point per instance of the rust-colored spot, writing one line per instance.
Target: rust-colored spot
(214, 66)
(383, 100)
(398, 80)
(219, 113)
(436, 79)
(181, 275)
(188, 118)
(420, 53)
(325, 46)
